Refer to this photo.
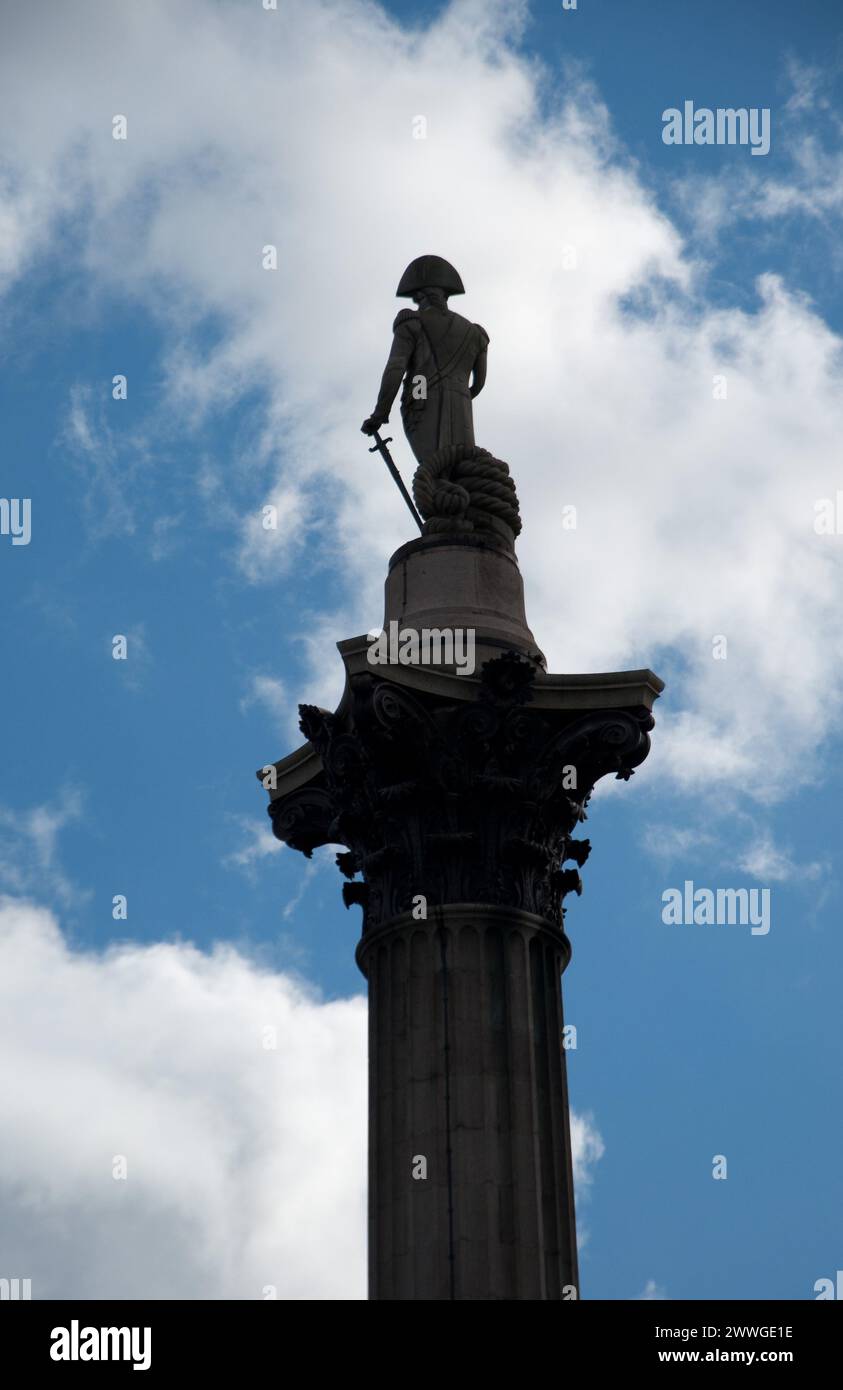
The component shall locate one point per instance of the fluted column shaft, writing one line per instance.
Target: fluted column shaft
(467, 1074)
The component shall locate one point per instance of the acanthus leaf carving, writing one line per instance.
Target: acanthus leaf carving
(460, 802)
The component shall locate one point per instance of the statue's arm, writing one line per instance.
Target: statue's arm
(478, 375)
(478, 371)
(399, 357)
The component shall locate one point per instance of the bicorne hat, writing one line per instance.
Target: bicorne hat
(429, 272)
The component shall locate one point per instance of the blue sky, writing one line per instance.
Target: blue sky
(692, 1041)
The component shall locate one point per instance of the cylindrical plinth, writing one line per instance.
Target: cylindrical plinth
(461, 581)
(467, 1072)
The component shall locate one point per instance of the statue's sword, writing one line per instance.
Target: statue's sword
(379, 446)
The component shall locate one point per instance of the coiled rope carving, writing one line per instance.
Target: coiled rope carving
(464, 488)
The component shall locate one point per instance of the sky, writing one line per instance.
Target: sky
(184, 1087)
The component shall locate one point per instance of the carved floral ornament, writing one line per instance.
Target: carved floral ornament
(461, 802)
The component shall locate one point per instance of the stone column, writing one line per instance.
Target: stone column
(457, 797)
(470, 1183)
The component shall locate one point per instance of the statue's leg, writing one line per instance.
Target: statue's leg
(416, 438)
(467, 423)
(425, 437)
(457, 421)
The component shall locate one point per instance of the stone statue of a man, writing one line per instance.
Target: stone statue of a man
(441, 358)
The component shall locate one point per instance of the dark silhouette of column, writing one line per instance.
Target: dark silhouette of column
(457, 797)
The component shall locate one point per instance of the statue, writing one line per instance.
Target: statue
(440, 356)
(441, 359)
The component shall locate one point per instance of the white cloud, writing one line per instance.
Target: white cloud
(270, 694)
(669, 842)
(165, 536)
(109, 460)
(695, 515)
(652, 1291)
(743, 844)
(772, 863)
(588, 1148)
(807, 143)
(259, 842)
(271, 543)
(29, 858)
(246, 1165)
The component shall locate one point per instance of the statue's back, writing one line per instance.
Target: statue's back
(436, 402)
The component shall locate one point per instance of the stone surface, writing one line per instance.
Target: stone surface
(466, 1071)
(457, 798)
(461, 800)
(439, 356)
(467, 582)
